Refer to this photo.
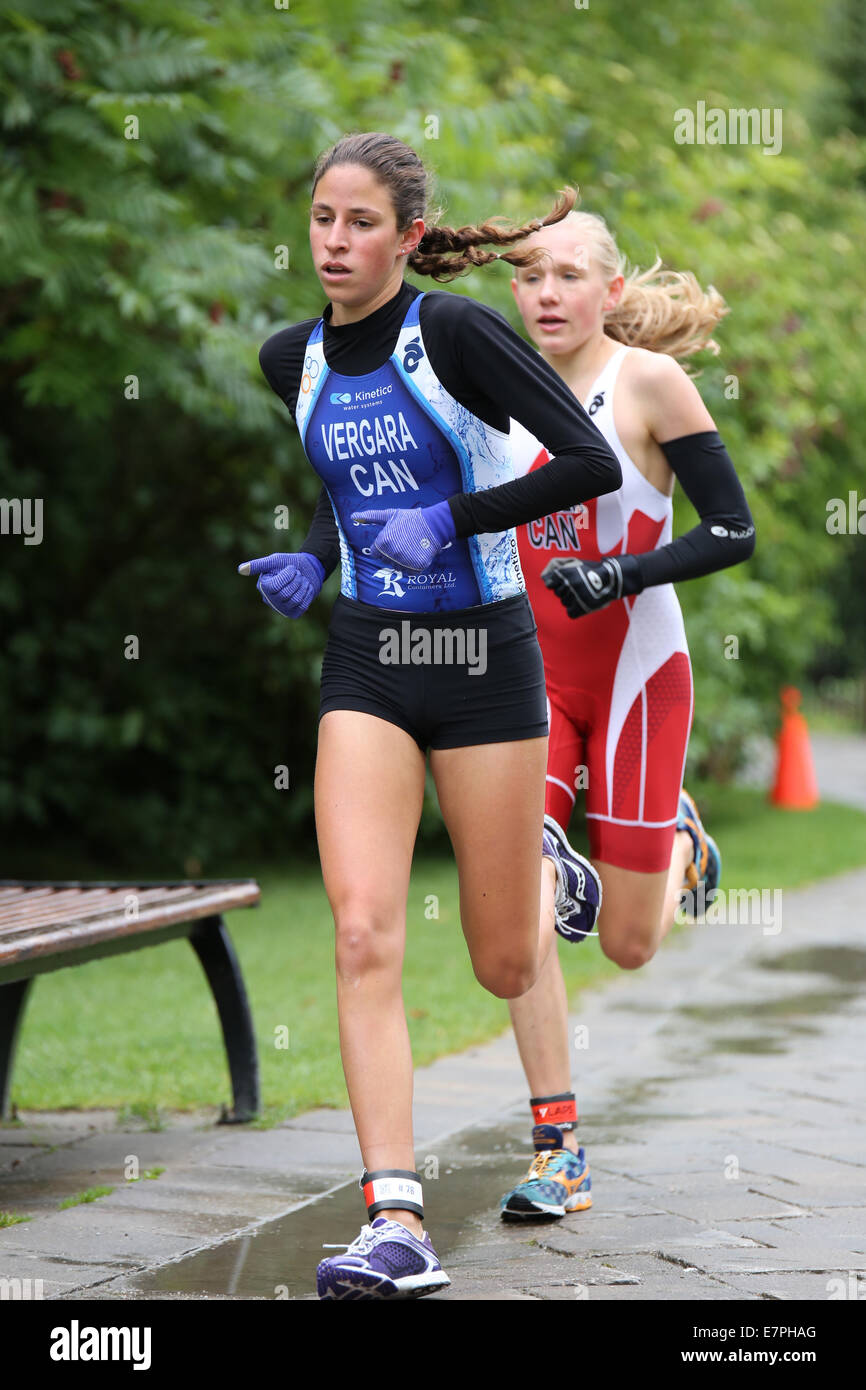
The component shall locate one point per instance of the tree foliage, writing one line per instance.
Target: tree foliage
(155, 160)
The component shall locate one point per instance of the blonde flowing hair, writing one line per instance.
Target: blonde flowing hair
(662, 310)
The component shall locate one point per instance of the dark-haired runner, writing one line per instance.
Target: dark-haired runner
(403, 403)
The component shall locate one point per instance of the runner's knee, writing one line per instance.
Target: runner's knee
(629, 950)
(366, 938)
(507, 977)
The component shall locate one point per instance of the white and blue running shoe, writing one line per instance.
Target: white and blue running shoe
(558, 1181)
(703, 873)
(384, 1261)
(578, 886)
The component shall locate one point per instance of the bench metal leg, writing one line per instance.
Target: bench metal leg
(212, 944)
(13, 997)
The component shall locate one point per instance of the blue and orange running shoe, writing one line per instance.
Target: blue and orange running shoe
(558, 1181)
(703, 874)
(578, 886)
(384, 1261)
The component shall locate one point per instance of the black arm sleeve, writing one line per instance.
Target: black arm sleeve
(726, 534)
(322, 539)
(496, 360)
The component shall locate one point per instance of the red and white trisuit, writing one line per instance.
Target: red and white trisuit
(619, 681)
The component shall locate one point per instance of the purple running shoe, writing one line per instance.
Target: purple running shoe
(384, 1261)
(578, 886)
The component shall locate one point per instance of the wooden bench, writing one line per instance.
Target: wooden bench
(47, 926)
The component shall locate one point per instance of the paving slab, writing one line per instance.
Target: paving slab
(136, 1238)
(788, 1285)
(43, 1277)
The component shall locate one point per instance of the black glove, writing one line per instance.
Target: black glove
(586, 586)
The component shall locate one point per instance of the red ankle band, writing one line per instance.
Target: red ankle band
(558, 1110)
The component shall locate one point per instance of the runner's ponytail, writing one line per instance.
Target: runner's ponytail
(443, 253)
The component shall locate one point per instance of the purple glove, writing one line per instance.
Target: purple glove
(287, 583)
(410, 537)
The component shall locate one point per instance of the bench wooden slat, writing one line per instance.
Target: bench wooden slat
(12, 901)
(26, 942)
(12, 898)
(60, 908)
(66, 905)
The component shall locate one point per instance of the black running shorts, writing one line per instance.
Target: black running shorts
(474, 675)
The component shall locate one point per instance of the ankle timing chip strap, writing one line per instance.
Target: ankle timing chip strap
(390, 1188)
(558, 1110)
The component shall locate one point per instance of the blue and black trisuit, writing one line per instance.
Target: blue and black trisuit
(408, 407)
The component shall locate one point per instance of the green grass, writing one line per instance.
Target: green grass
(840, 710)
(148, 1115)
(8, 1218)
(149, 1173)
(140, 1032)
(824, 719)
(90, 1195)
(764, 847)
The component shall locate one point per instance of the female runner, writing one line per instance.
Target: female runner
(402, 401)
(619, 680)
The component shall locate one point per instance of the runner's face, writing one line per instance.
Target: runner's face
(352, 222)
(562, 300)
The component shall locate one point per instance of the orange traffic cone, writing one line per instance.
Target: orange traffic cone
(795, 787)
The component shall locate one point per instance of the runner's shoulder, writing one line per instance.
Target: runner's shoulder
(451, 311)
(649, 372)
(665, 396)
(282, 354)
